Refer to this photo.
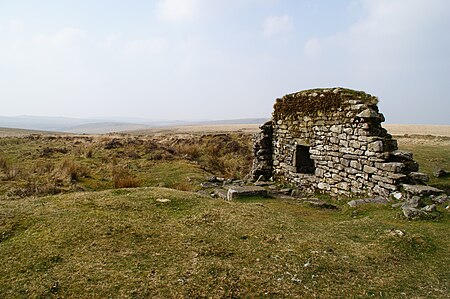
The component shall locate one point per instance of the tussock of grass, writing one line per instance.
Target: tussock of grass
(123, 179)
(3, 163)
(70, 163)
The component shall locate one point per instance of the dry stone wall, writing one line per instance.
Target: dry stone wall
(331, 140)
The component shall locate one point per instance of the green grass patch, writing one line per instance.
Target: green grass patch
(126, 243)
(432, 153)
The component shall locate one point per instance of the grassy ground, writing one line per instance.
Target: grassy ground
(432, 153)
(42, 165)
(124, 243)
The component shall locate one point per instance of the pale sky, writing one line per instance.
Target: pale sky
(220, 59)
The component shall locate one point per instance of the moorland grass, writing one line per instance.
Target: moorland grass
(432, 153)
(125, 243)
(41, 165)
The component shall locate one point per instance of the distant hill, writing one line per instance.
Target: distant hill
(105, 127)
(44, 123)
(102, 126)
(5, 132)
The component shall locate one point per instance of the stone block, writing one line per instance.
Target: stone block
(323, 186)
(319, 172)
(376, 146)
(421, 190)
(356, 164)
(237, 191)
(418, 177)
(395, 167)
(364, 201)
(368, 113)
(369, 169)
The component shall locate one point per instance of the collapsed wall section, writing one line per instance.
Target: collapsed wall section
(331, 140)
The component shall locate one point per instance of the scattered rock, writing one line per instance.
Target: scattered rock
(163, 200)
(297, 193)
(212, 179)
(426, 213)
(238, 191)
(209, 185)
(220, 193)
(418, 177)
(414, 202)
(398, 205)
(396, 232)
(321, 205)
(429, 208)
(413, 213)
(286, 191)
(397, 195)
(357, 202)
(421, 189)
(440, 199)
(441, 173)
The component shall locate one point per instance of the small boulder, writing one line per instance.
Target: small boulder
(399, 155)
(238, 191)
(441, 173)
(163, 200)
(421, 189)
(413, 213)
(440, 199)
(414, 202)
(357, 202)
(429, 208)
(396, 232)
(418, 177)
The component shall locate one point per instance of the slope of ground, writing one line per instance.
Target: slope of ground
(156, 242)
(166, 243)
(10, 132)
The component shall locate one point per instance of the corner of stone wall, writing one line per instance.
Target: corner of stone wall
(262, 150)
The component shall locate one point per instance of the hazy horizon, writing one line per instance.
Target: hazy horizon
(219, 60)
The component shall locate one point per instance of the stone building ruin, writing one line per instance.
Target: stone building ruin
(331, 140)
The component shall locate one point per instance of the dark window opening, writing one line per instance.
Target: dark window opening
(302, 160)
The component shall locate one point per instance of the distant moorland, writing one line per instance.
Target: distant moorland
(127, 215)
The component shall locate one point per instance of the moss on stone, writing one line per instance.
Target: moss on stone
(310, 102)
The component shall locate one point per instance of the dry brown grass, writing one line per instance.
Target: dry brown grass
(123, 179)
(411, 129)
(3, 163)
(70, 170)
